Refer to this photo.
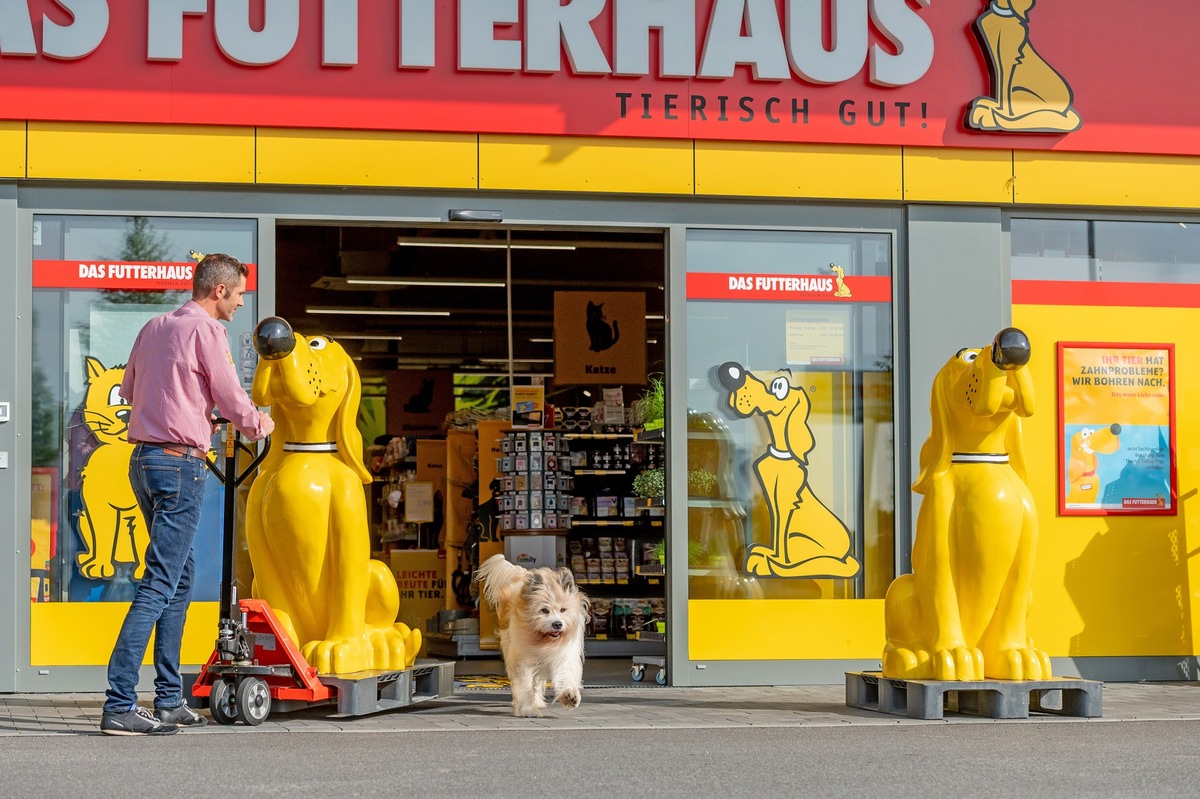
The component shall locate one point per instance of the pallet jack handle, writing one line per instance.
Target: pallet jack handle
(233, 644)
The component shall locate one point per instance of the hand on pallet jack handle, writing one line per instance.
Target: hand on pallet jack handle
(231, 442)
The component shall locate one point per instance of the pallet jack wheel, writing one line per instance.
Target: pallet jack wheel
(637, 672)
(253, 701)
(661, 677)
(221, 702)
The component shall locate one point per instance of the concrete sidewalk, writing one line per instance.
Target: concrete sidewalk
(612, 708)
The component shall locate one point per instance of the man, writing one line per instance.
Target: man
(179, 369)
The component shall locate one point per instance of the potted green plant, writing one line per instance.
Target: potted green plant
(651, 406)
(650, 486)
(701, 483)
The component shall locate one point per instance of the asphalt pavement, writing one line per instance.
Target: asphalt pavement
(630, 741)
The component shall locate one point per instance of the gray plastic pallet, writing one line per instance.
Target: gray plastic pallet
(997, 699)
(372, 691)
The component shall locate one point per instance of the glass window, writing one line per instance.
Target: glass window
(97, 280)
(790, 450)
(1119, 252)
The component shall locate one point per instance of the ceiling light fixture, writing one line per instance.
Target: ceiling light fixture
(517, 360)
(363, 337)
(655, 316)
(373, 311)
(416, 281)
(541, 341)
(478, 244)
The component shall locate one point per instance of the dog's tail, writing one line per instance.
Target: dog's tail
(497, 574)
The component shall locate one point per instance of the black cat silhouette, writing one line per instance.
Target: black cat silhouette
(420, 402)
(602, 336)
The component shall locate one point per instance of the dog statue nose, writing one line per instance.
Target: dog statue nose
(731, 375)
(1010, 348)
(274, 339)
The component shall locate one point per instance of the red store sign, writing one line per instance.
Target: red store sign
(1064, 75)
(121, 275)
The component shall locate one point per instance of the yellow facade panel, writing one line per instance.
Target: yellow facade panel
(83, 633)
(176, 153)
(953, 175)
(744, 169)
(366, 158)
(1149, 181)
(12, 149)
(749, 629)
(546, 163)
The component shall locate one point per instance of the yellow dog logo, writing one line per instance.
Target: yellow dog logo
(306, 517)
(111, 523)
(807, 540)
(961, 614)
(1028, 95)
(1086, 447)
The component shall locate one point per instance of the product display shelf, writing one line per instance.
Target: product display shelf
(612, 535)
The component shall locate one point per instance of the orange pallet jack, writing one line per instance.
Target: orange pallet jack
(256, 669)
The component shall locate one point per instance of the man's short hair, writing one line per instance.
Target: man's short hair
(213, 270)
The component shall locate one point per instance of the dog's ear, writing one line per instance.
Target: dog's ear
(345, 420)
(567, 577)
(799, 436)
(935, 452)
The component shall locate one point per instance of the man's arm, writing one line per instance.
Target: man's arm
(217, 363)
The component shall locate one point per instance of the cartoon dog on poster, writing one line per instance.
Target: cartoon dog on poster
(111, 523)
(807, 539)
(1086, 447)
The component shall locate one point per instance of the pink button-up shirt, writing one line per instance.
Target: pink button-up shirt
(179, 369)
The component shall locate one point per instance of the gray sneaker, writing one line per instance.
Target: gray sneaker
(181, 716)
(137, 721)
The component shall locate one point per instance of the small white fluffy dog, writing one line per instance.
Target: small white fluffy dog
(542, 618)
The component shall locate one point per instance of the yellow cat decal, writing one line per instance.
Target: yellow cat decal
(111, 524)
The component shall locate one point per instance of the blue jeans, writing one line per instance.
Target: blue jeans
(170, 491)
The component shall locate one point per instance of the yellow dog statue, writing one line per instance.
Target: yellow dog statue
(961, 614)
(306, 515)
(807, 539)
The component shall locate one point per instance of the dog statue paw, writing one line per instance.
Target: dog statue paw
(339, 655)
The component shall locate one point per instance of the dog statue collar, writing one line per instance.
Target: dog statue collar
(979, 457)
(306, 446)
(1001, 12)
(783, 455)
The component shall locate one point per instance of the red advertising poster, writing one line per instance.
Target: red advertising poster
(1116, 442)
(1012, 74)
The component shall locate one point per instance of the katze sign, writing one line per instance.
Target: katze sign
(974, 73)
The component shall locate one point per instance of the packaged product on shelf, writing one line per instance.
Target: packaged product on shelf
(608, 574)
(621, 568)
(593, 569)
(605, 544)
(579, 506)
(629, 506)
(601, 617)
(606, 507)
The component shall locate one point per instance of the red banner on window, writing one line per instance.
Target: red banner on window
(1064, 75)
(121, 275)
(754, 287)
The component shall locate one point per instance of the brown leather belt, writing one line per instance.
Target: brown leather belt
(178, 450)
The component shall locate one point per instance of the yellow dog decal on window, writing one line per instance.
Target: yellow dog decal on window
(306, 515)
(807, 539)
(961, 614)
